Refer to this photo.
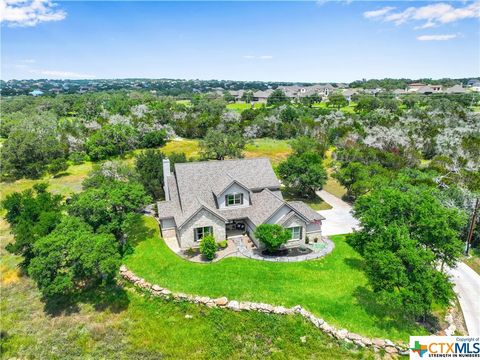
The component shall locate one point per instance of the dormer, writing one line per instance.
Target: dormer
(234, 195)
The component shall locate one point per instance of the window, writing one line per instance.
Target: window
(296, 232)
(234, 199)
(200, 232)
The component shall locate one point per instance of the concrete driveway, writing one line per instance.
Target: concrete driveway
(467, 287)
(339, 219)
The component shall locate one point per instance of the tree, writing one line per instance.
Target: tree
(303, 174)
(149, 165)
(358, 179)
(31, 214)
(208, 247)
(310, 99)
(304, 144)
(272, 236)
(247, 96)
(152, 139)
(29, 149)
(337, 100)
(58, 165)
(219, 145)
(109, 207)
(111, 140)
(277, 97)
(367, 103)
(228, 97)
(406, 236)
(72, 257)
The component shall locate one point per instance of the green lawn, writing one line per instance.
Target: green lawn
(125, 324)
(349, 109)
(474, 260)
(315, 204)
(334, 288)
(240, 106)
(66, 183)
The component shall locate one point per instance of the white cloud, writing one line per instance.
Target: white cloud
(378, 13)
(63, 74)
(261, 57)
(29, 12)
(432, 15)
(436, 37)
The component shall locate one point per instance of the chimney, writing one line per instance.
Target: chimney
(166, 173)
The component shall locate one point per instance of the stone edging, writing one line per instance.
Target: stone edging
(242, 249)
(222, 302)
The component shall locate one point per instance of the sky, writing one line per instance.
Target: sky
(323, 41)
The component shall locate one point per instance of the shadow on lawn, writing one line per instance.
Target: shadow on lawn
(137, 232)
(112, 297)
(387, 317)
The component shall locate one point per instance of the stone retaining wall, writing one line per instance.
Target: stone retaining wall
(222, 302)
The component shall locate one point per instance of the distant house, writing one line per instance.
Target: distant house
(36, 92)
(455, 89)
(415, 86)
(348, 93)
(472, 82)
(295, 91)
(475, 86)
(261, 96)
(421, 88)
(227, 198)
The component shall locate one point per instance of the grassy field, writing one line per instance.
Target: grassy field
(474, 260)
(315, 204)
(240, 106)
(124, 324)
(349, 109)
(71, 181)
(65, 183)
(334, 288)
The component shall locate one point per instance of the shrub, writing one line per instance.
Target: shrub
(272, 235)
(208, 247)
(222, 244)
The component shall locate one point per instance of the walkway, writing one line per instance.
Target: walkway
(467, 287)
(255, 254)
(338, 219)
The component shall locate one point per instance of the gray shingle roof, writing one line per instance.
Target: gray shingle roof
(305, 210)
(195, 184)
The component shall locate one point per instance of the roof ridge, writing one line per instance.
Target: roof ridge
(218, 161)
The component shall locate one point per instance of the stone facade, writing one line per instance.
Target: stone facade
(186, 234)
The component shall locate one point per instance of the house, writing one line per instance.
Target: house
(455, 89)
(415, 86)
(475, 86)
(261, 96)
(348, 93)
(227, 198)
(421, 88)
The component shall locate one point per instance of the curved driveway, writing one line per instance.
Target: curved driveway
(467, 287)
(339, 220)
